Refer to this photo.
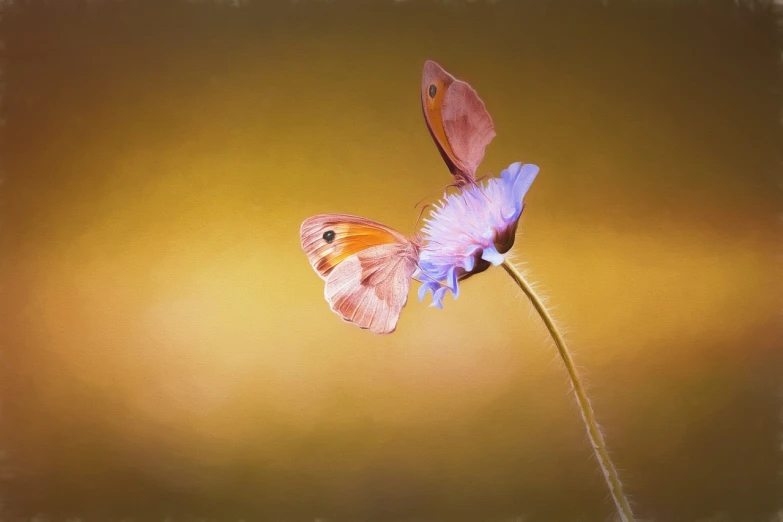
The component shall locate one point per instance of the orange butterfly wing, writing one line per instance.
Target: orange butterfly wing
(367, 267)
(329, 239)
(457, 120)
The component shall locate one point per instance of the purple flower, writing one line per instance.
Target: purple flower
(470, 230)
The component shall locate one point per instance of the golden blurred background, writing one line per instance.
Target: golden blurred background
(166, 348)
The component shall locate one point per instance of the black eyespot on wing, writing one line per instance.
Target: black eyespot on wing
(433, 91)
(329, 236)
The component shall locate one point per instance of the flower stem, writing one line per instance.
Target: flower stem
(593, 432)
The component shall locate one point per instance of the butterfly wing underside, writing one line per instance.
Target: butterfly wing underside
(352, 234)
(370, 288)
(367, 267)
(457, 120)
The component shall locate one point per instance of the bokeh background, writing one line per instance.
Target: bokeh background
(166, 349)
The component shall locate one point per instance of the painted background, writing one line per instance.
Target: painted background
(166, 349)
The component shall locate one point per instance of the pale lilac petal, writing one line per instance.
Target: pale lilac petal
(423, 291)
(492, 255)
(437, 297)
(451, 281)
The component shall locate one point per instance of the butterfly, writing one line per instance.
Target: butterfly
(457, 120)
(367, 266)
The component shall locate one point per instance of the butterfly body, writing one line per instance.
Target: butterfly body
(367, 267)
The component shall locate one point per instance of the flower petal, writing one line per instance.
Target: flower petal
(492, 255)
(451, 279)
(437, 297)
(423, 291)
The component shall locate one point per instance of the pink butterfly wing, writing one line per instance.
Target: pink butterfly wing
(370, 288)
(468, 125)
(457, 120)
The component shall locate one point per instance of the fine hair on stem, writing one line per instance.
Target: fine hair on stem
(588, 416)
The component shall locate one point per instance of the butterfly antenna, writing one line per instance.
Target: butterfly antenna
(482, 178)
(450, 185)
(421, 212)
(422, 199)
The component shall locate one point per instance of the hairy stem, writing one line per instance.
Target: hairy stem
(593, 432)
